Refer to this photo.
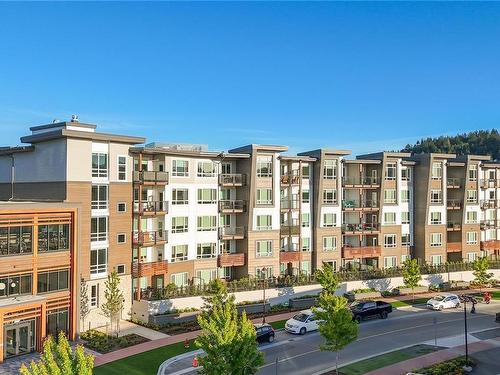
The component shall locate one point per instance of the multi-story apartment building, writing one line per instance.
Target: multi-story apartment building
(39, 278)
(489, 199)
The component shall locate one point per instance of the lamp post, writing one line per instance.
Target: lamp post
(464, 298)
(263, 271)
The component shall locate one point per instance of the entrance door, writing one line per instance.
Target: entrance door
(18, 339)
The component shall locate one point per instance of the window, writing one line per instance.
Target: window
(179, 253)
(306, 171)
(15, 285)
(436, 239)
(473, 172)
(225, 194)
(206, 169)
(226, 168)
(390, 262)
(99, 229)
(404, 258)
(389, 240)
(471, 257)
(179, 279)
(264, 196)
(436, 260)
(207, 196)
(471, 196)
(436, 218)
(329, 220)
(471, 238)
(120, 269)
(329, 196)
(306, 244)
(122, 168)
(264, 272)
(405, 217)
(179, 224)
(180, 168)
(225, 246)
(98, 261)
(305, 267)
(390, 171)
(207, 223)
(390, 196)
(305, 196)
(225, 221)
(206, 250)
(330, 169)
(305, 220)
(264, 248)
(17, 240)
(437, 171)
(99, 165)
(180, 196)
(405, 174)
(405, 196)
(405, 239)
(205, 276)
(52, 281)
(94, 295)
(264, 166)
(99, 197)
(389, 218)
(264, 222)
(121, 207)
(329, 243)
(471, 217)
(436, 196)
(332, 263)
(121, 238)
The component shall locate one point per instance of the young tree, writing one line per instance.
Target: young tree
(113, 305)
(481, 274)
(411, 275)
(228, 340)
(59, 359)
(335, 324)
(84, 302)
(327, 278)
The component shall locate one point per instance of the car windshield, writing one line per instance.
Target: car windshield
(301, 317)
(438, 298)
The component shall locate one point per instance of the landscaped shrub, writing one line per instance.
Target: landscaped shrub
(102, 343)
(452, 367)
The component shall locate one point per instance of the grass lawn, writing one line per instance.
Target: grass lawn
(495, 295)
(146, 363)
(280, 324)
(409, 302)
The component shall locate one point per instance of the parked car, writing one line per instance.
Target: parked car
(443, 301)
(362, 310)
(265, 333)
(304, 321)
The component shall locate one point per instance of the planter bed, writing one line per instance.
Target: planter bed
(351, 297)
(416, 290)
(255, 308)
(102, 343)
(302, 303)
(176, 318)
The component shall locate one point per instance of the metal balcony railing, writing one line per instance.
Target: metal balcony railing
(150, 176)
(232, 205)
(151, 207)
(232, 179)
(360, 180)
(146, 238)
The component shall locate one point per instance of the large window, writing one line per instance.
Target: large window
(179, 224)
(99, 197)
(264, 196)
(57, 321)
(122, 168)
(405, 217)
(329, 220)
(264, 248)
(390, 196)
(437, 171)
(207, 196)
(390, 171)
(306, 220)
(53, 237)
(389, 218)
(264, 166)
(225, 221)
(436, 196)
(180, 196)
(405, 239)
(330, 169)
(436, 239)
(53, 281)
(205, 276)
(389, 240)
(471, 217)
(15, 285)
(306, 171)
(305, 196)
(329, 196)
(179, 279)
(473, 172)
(16, 240)
(180, 168)
(99, 165)
(206, 169)
(306, 244)
(436, 218)
(207, 223)
(390, 262)
(264, 222)
(405, 196)
(471, 196)
(99, 229)
(206, 250)
(264, 272)
(179, 253)
(436, 260)
(471, 238)
(405, 174)
(329, 243)
(98, 261)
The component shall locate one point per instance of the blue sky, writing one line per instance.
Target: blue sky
(363, 76)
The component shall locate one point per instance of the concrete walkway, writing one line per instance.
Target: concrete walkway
(127, 328)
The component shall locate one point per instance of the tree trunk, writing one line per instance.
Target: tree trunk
(413, 295)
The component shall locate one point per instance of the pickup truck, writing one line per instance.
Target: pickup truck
(369, 309)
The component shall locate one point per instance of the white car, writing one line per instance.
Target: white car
(304, 321)
(443, 301)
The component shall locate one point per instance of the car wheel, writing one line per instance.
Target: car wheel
(440, 307)
(457, 305)
(303, 331)
(358, 318)
(270, 338)
(383, 314)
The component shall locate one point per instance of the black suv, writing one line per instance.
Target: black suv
(265, 333)
(369, 309)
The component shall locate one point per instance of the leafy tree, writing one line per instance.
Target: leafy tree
(228, 340)
(411, 275)
(327, 278)
(59, 359)
(84, 302)
(335, 324)
(113, 296)
(481, 274)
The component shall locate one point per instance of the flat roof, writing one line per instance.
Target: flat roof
(66, 133)
(388, 154)
(318, 153)
(258, 147)
(202, 154)
(63, 123)
(15, 150)
(297, 158)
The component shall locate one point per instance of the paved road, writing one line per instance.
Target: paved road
(299, 355)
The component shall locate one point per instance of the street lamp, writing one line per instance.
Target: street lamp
(464, 298)
(263, 272)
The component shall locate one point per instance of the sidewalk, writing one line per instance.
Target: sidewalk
(432, 294)
(150, 345)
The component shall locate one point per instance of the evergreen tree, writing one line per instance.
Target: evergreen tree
(59, 359)
(411, 275)
(481, 274)
(327, 278)
(84, 302)
(113, 304)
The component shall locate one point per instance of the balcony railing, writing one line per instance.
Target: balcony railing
(489, 203)
(361, 227)
(149, 238)
(490, 245)
(290, 178)
(290, 247)
(290, 256)
(352, 204)
(232, 233)
(489, 183)
(350, 252)
(454, 247)
(486, 224)
(360, 181)
(232, 206)
(287, 204)
(151, 207)
(231, 260)
(453, 183)
(290, 228)
(453, 204)
(142, 269)
(453, 226)
(151, 176)
(232, 179)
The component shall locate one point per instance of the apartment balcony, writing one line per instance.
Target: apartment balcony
(149, 238)
(489, 224)
(289, 256)
(232, 206)
(489, 203)
(232, 179)
(232, 233)
(289, 204)
(143, 269)
(150, 177)
(361, 228)
(290, 228)
(490, 245)
(489, 183)
(453, 226)
(231, 260)
(290, 178)
(454, 247)
(150, 208)
(453, 183)
(361, 182)
(453, 204)
(364, 205)
(351, 252)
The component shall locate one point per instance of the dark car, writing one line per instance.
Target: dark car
(265, 333)
(362, 310)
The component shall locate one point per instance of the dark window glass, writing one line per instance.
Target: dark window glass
(43, 282)
(53, 281)
(25, 284)
(63, 279)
